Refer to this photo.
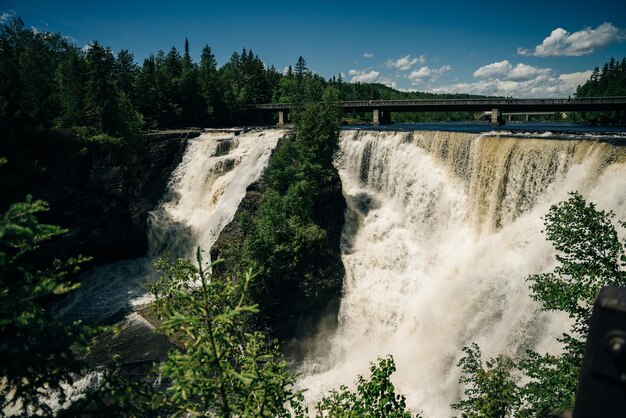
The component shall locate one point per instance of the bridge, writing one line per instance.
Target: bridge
(381, 109)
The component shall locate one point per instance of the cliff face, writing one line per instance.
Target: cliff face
(103, 200)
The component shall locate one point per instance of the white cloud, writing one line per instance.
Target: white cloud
(574, 80)
(368, 55)
(5, 16)
(372, 76)
(355, 72)
(86, 47)
(405, 62)
(544, 85)
(419, 74)
(493, 70)
(364, 77)
(522, 80)
(427, 74)
(504, 70)
(584, 42)
(35, 30)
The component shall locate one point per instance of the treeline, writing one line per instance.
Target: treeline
(610, 81)
(48, 82)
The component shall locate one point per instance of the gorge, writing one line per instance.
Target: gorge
(440, 232)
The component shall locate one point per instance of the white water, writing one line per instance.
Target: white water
(441, 231)
(203, 195)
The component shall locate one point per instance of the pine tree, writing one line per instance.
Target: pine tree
(187, 57)
(100, 90)
(208, 86)
(126, 72)
(70, 82)
(37, 352)
(301, 67)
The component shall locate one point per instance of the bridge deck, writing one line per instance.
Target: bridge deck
(449, 105)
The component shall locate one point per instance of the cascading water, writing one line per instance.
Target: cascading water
(203, 195)
(441, 231)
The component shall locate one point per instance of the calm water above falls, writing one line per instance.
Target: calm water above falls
(515, 128)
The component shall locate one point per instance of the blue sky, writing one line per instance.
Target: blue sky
(522, 49)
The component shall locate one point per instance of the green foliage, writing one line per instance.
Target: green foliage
(490, 389)
(244, 80)
(223, 367)
(375, 397)
(282, 236)
(106, 141)
(283, 240)
(37, 353)
(317, 117)
(100, 89)
(590, 256)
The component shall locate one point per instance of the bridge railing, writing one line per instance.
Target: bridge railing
(451, 102)
(499, 101)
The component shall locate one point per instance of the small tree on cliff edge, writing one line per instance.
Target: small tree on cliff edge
(317, 116)
(590, 256)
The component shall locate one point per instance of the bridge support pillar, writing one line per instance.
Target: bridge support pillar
(496, 117)
(527, 118)
(283, 117)
(381, 117)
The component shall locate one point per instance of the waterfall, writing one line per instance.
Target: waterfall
(202, 197)
(442, 228)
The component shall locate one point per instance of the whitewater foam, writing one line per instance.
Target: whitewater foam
(442, 229)
(203, 195)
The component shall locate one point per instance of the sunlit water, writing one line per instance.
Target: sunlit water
(202, 197)
(442, 228)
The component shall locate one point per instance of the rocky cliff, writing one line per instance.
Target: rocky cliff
(103, 199)
(292, 306)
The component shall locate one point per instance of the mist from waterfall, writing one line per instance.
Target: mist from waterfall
(442, 228)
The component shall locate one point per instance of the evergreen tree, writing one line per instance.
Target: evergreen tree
(37, 353)
(126, 72)
(168, 72)
(70, 83)
(301, 67)
(148, 97)
(610, 81)
(187, 56)
(209, 87)
(100, 89)
(190, 99)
